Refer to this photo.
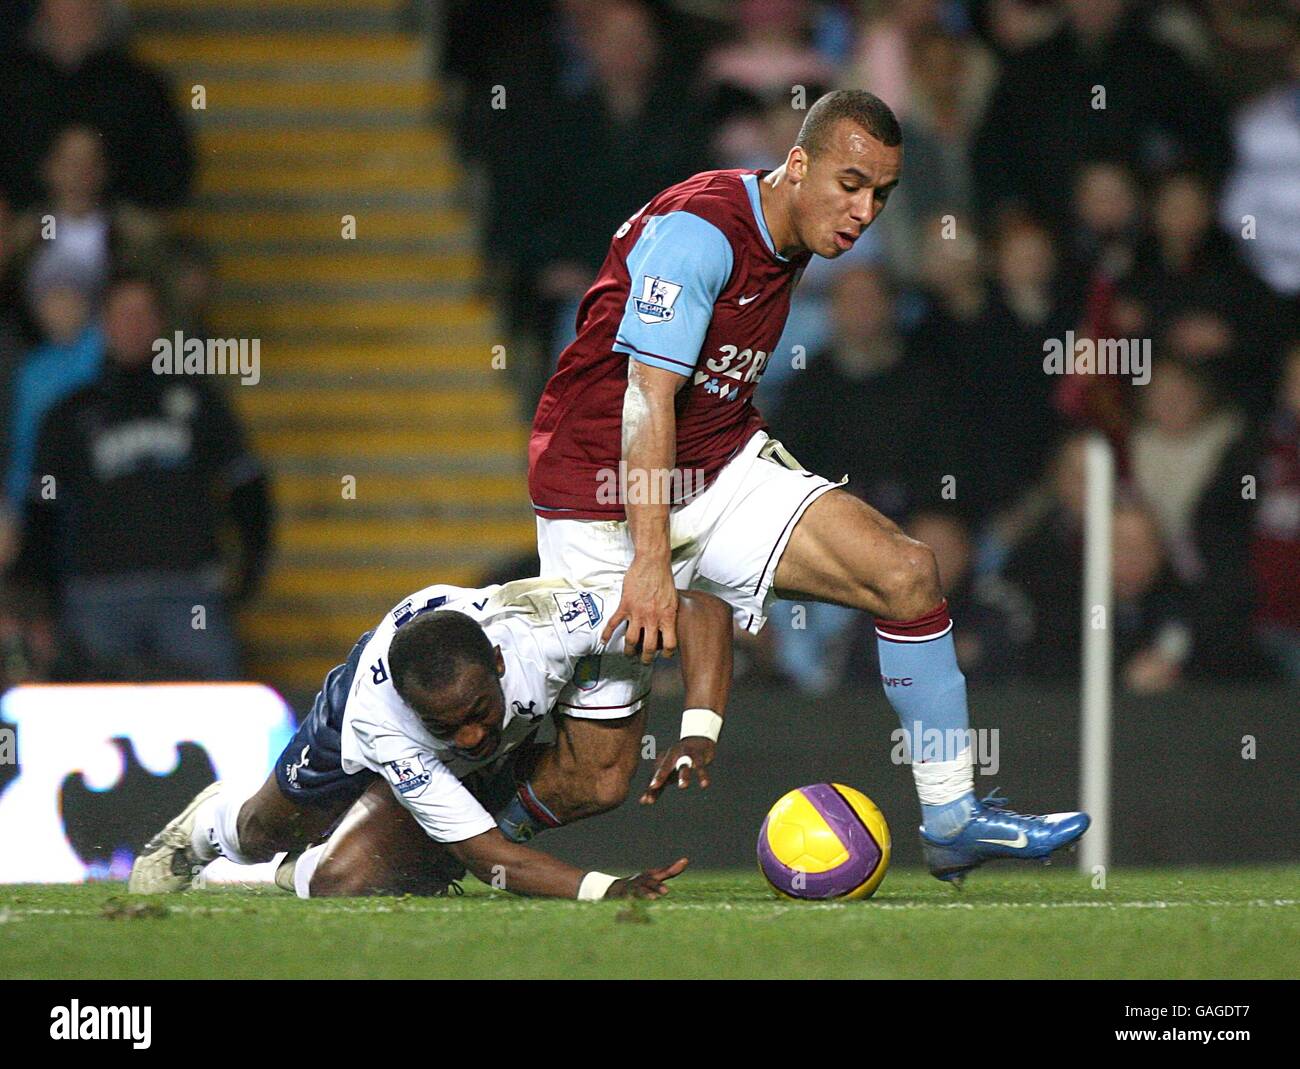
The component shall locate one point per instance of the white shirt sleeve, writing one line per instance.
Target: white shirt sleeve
(425, 786)
(439, 801)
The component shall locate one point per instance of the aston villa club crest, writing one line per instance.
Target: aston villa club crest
(658, 295)
(586, 673)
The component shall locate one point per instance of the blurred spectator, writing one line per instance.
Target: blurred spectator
(1189, 454)
(70, 357)
(1009, 27)
(1102, 245)
(1100, 251)
(604, 151)
(1153, 638)
(1041, 553)
(773, 51)
(1046, 112)
(1253, 41)
(1275, 546)
(772, 58)
(887, 49)
(74, 238)
(951, 338)
(1242, 364)
(1186, 454)
(1009, 389)
(863, 405)
(134, 478)
(1186, 264)
(949, 78)
(71, 71)
(1261, 202)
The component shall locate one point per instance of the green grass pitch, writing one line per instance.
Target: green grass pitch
(1008, 922)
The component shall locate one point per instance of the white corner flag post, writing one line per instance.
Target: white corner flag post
(1098, 651)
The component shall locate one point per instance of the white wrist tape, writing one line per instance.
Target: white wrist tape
(594, 886)
(704, 722)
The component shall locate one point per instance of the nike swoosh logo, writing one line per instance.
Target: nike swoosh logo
(1015, 844)
(746, 300)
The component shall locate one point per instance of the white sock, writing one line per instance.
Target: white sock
(216, 828)
(305, 869)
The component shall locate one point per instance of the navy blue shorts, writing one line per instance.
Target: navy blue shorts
(310, 771)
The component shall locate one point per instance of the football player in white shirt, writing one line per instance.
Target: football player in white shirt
(419, 750)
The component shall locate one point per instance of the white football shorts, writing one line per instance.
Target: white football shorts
(727, 541)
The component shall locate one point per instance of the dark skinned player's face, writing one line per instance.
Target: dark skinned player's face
(840, 191)
(467, 712)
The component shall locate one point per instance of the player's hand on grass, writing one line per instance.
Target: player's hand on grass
(649, 605)
(650, 884)
(674, 764)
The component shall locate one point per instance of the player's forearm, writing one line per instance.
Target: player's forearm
(492, 858)
(649, 453)
(704, 632)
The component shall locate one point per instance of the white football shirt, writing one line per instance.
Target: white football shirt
(548, 631)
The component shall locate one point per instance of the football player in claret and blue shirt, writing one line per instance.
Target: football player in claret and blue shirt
(672, 339)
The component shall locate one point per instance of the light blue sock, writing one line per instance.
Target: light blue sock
(918, 669)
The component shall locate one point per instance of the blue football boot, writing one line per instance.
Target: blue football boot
(994, 832)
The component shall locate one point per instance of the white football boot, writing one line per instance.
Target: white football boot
(167, 862)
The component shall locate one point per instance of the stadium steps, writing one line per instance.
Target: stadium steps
(397, 453)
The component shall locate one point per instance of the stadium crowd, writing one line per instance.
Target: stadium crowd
(118, 483)
(1075, 173)
(1079, 169)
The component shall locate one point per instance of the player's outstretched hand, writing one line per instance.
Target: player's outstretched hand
(650, 884)
(649, 605)
(689, 757)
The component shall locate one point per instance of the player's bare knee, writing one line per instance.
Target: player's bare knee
(331, 880)
(610, 786)
(909, 582)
